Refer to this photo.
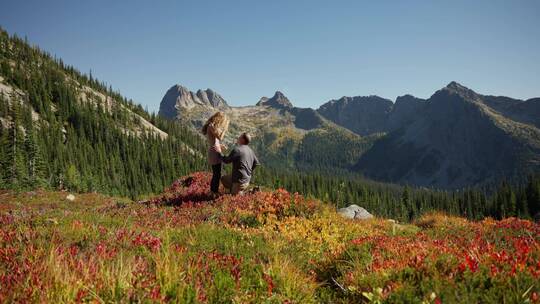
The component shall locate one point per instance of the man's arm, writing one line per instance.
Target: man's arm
(229, 159)
(255, 162)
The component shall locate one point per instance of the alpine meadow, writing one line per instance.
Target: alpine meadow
(166, 193)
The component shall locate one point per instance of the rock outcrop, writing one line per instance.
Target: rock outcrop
(278, 101)
(179, 97)
(355, 212)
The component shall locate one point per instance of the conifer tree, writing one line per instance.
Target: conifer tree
(14, 157)
(404, 211)
(72, 178)
(3, 156)
(533, 194)
(34, 160)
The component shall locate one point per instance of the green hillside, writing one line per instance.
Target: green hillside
(56, 131)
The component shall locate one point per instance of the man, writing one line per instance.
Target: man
(243, 161)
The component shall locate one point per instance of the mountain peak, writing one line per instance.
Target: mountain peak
(453, 84)
(406, 99)
(454, 88)
(457, 88)
(178, 97)
(179, 86)
(279, 100)
(210, 97)
(279, 94)
(371, 100)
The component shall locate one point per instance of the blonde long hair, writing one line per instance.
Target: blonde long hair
(216, 125)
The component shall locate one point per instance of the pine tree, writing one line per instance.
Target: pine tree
(512, 203)
(522, 208)
(405, 211)
(34, 160)
(533, 195)
(14, 157)
(72, 178)
(3, 156)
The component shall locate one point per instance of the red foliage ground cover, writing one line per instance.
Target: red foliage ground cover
(182, 245)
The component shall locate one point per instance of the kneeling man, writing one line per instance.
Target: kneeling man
(243, 161)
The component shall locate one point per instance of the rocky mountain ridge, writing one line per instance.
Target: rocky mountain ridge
(279, 100)
(180, 97)
(456, 138)
(281, 131)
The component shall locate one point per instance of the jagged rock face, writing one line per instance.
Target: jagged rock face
(211, 98)
(179, 97)
(304, 118)
(372, 114)
(278, 101)
(404, 111)
(363, 115)
(454, 141)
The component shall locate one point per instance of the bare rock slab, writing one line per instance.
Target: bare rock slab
(355, 212)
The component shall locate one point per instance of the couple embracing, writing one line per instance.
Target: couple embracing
(242, 157)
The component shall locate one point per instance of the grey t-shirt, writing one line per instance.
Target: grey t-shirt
(244, 162)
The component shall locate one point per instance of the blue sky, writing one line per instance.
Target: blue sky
(313, 51)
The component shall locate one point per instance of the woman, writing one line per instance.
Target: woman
(215, 128)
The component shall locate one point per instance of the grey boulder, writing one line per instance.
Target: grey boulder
(355, 212)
